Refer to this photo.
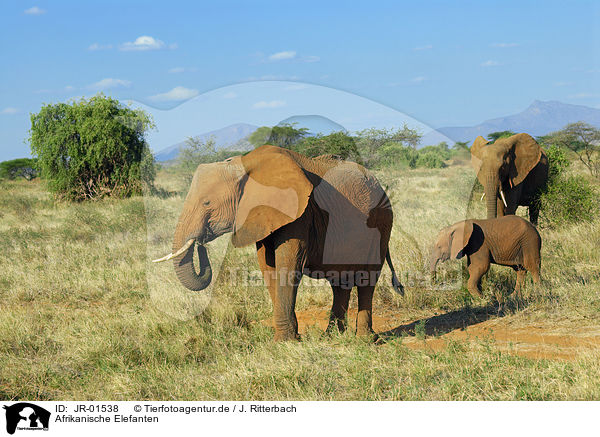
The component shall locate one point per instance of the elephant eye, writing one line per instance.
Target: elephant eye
(206, 202)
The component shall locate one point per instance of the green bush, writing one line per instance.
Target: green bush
(430, 159)
(558, 162)
(336, 143)
(92, 148)
(394, 154)
(569, 199)
(15, 168)
(441, 149)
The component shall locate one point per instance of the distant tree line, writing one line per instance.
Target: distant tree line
(19, 168)
(374, 148)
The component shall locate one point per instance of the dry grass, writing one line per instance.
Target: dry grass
(85, 315)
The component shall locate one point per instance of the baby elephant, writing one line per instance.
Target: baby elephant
(507, 241)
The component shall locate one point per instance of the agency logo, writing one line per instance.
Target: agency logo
(26, 416)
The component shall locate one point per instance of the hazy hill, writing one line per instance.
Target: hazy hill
(229, 136)
(538, 119)
(316, 124)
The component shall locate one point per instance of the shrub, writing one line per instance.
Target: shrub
(23, 167)
(441, 149)
(557, 161)
(569, 199)
(92, 148)
(336, 143)
(430, 159)
(393, 154)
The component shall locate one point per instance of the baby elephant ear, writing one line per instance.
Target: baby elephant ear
(476, 150)
(460, 236)
(274, 192)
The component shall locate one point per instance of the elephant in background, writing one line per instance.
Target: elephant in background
(321, 217)
(507, 241)
(512, 171)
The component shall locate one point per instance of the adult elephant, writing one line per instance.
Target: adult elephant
(322, 217)
(513, 171)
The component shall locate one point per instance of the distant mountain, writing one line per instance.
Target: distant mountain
(316, 124)
(228, 137)
(539, 118)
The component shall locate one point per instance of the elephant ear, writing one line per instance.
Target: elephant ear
(460, 234)
(527, 155)
(274, 192)
(476, 151)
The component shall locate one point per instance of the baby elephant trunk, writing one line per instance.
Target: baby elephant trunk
(433, 262)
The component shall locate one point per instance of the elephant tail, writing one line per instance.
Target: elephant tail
(395, 282)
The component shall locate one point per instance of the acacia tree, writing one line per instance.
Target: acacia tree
(92, 148)
(370, 142)
(336, 143)
(500, 134)
(260, 136)
(286, 135)
(583, 139)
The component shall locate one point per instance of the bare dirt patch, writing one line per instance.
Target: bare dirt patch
(541, 340)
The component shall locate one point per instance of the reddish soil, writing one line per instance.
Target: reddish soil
(539, 340)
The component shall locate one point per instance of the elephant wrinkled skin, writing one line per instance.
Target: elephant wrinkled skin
(513, 171)
(507, 241)
(322, 217)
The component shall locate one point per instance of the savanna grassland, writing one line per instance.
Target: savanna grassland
(85, 315)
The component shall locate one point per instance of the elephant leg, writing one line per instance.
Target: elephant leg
(519, 284)
(364, 320)
(500, 210)
(532, 265)
(341, 299)
(477, 268)
(266, 262)
(534, 212)
(289, 259)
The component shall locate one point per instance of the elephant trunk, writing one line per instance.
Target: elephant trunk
(184, 264)
(433, 262)
(490, 188)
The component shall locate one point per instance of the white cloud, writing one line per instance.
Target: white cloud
(176, 94)
(97, 46)
(419, 79)
(279, 56)
(69, 88)
(109, 83)
(504, 45)
(35, 11)
(269, 105)
(9, 111)
(230, 95)
(490, 63)
(310, 58)
(427, 47)
(583, 96)
(144, 43)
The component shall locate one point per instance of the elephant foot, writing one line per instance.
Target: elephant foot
(286, 335)
(336, 325)
(476, 293)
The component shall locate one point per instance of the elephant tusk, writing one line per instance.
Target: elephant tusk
(503, 199)
(185, 247)
(482, 196)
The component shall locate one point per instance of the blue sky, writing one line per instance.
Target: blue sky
(442, 63)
